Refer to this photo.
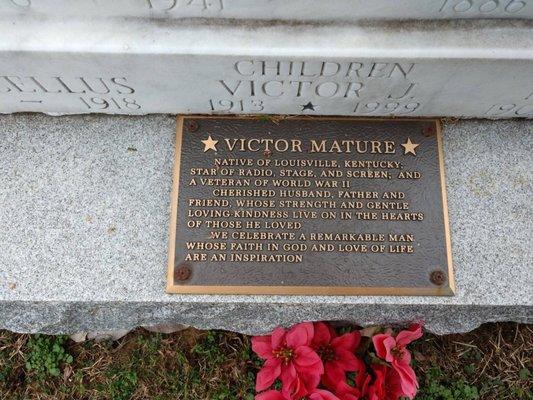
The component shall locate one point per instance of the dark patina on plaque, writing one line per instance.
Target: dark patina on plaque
(332, 206)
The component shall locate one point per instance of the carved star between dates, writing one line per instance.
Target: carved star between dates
(210, 144)
(308, 106)
(409, 147)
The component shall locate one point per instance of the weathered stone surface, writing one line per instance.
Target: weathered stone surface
(458, 68)
(298, 10)
(108, 335)
(85, 218)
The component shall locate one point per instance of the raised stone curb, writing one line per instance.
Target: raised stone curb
(479, 68)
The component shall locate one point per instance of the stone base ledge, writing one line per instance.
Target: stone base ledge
(248, 318)
(85, 218)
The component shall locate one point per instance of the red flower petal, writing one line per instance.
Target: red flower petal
(288, 374)
(305, 357)
(408, 381)
(394, 387)
(320, 394)
(405, 358)
(384, 343)
(333, 374)
(270, 395)
(293, 387)
(378, 340)
(360, 373)
(310, 381)
(366, 388)
(323, 334)
(347, 392)
(377, 390)
(261, 345)
(268, 374)
(348, 396)
(405, 337)
(348, 341)
(346, 360)
(278, 337)
(300, 335)
(302, 389)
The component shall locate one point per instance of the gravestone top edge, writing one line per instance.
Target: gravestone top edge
(306, 10)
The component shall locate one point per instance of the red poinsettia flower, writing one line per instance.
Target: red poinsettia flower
(337, 354)
(393, 350)
(316, 394)
(289, 357)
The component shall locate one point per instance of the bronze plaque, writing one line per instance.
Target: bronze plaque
(266, 205)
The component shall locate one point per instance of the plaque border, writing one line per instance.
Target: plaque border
(446, 290)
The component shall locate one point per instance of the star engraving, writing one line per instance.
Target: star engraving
(210, 144)
(409, 147)
(308, 106)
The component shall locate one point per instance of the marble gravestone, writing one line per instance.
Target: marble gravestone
(86, 199)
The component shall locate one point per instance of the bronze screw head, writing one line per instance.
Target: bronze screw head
(437, 277)
(182, 273)
(192, 125)
(428, 131)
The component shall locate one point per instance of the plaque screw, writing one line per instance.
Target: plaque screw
(192, 125)
(267, 153)
(437, 277)
(182, 273)
(428, 131)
